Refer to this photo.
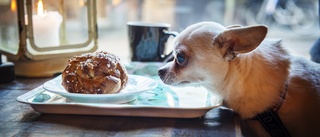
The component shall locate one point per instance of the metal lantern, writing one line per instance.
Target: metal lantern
(39, 36)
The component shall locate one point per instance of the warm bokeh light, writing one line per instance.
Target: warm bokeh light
(40, 8)
(13, 5)
(116, 2)
(81, 3)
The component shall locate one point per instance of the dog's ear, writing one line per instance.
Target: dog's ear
(241, 40)
(234, 26)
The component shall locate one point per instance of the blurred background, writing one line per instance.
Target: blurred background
(294, 21)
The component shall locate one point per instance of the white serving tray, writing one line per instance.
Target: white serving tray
(163, 101)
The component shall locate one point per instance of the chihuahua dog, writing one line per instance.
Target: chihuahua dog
(251, 74)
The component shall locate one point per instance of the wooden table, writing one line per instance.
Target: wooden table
(18, 119)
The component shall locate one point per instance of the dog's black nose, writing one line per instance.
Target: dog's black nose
(161, 72)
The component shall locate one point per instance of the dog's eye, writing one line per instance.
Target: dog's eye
(180, 58)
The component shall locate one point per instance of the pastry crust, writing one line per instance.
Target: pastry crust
(94, 73)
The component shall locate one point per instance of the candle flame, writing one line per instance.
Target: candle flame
(40, 8)
(13, 5)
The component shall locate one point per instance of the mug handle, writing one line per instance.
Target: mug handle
(169, 57)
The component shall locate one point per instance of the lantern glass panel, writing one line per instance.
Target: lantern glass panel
(59, 23)
(9, 36)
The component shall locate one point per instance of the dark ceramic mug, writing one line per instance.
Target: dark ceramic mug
(148, 41)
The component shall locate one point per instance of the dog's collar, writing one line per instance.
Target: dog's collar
(271, 121)
(282, 98)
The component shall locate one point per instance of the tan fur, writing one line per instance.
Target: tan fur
(249, 73)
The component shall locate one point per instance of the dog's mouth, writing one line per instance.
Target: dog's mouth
(184, 82)
(169, 80)
(181, 83)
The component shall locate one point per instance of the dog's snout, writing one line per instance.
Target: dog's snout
(161, 72)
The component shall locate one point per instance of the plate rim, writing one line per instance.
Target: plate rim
(68, 94)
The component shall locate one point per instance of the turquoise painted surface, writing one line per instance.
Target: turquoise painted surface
(42, 97)
(160, 96)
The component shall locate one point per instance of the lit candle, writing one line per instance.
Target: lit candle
(46, 27)
(13, 5)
